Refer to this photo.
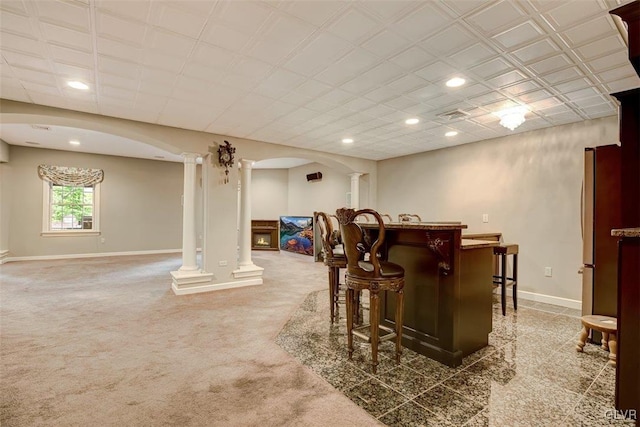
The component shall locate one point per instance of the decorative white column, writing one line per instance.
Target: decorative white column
(355, 190)
(189, 274)
(245, 213)
(189, 214)
(246, 268)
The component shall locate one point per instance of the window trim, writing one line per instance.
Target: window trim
(46, 215)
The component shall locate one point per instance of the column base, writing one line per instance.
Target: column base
(248, 271)
(189, 282)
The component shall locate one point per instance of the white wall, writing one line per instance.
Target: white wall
(4, 210)
(325, 195)
(269, 193)
(529, 184)
(140, 206)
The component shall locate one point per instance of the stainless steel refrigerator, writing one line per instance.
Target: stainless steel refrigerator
(600, 214)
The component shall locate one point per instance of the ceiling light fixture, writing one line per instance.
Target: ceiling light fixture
(412, 121)
(511, 118)
(347, 140)
(78, 85)
(74, 142)
(456, 82)
(451, 133)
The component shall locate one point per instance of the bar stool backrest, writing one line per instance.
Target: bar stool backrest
(356, 246)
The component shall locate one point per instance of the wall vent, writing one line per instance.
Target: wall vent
(41, 127)
(454, 115)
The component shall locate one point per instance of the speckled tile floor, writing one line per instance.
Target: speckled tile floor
(529, 375)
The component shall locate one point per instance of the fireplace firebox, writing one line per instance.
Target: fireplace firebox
(264, 235)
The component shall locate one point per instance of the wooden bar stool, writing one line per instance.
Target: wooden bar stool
(609, 328)
(501, 279)
(373, 274)
(334, 258)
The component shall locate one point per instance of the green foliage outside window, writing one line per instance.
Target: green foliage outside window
(71, 207)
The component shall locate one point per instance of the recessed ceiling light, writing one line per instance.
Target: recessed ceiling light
(456, 82)
(32, 142)
(451, 133)
(347, 140)
(412, 121)
(74, 142)
(78, 85)
(159, 157)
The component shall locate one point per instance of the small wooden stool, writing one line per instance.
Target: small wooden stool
(501, 279)
(609, 328)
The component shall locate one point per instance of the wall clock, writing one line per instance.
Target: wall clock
(225, 158)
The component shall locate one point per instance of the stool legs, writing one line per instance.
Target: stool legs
(609, 342)
(605, 341)
(334, 286)
(399, 311)
(374, 318)
(349, 301)
(503, 282)
(515, 282)
(583, 338)
(613, 348)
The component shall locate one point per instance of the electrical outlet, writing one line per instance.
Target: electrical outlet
(222, 263)
(102, 240)
(548, 272)
(485, 217)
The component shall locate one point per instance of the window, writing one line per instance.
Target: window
(71, 207)
(71, 201)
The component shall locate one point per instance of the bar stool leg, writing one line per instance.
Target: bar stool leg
(399, 312)
(332, 294)
(583, 338)
(515, 282)
(349, 301)
(374, 318)
(503, 282)
(613, 348)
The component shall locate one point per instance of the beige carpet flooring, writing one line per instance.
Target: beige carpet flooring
(105, 342)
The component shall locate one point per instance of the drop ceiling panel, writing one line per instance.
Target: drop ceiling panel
(422, 22)
(19, 24)
(590, 30)
(74, 15)
(120, 28)
(412, 58)
(496, 16)
(18, 43)
(573, 12)
(66, 36)
(353, 26)
(138, 10)
(172, 17)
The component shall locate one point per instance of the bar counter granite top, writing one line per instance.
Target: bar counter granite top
(626, 232)
(476, 244)
(416, 225)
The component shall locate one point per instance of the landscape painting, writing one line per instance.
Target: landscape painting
(296, 234)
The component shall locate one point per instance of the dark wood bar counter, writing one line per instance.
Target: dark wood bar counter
(448, 289)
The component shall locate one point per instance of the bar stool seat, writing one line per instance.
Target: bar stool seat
(501, 279)
(609, 328)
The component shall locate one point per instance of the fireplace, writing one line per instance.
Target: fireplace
(264, 235)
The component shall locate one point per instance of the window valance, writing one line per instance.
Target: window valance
(63, 175)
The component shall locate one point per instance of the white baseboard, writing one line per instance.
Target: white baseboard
(91, 255)
(4, 256)
(548, 299)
